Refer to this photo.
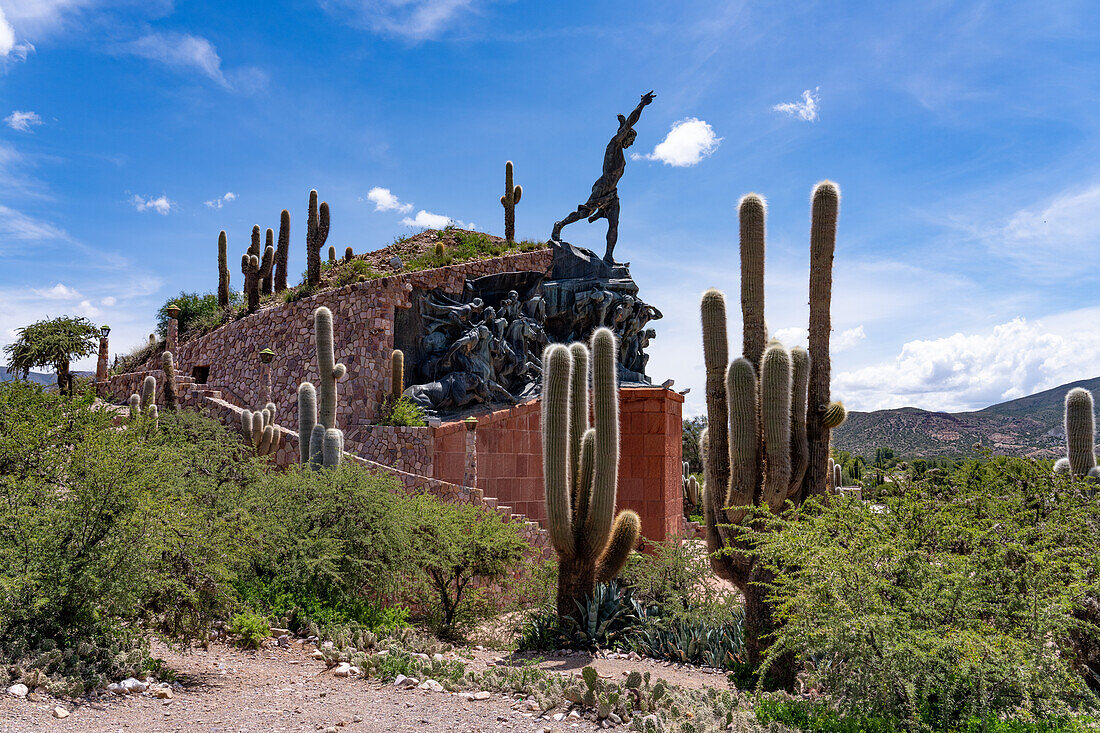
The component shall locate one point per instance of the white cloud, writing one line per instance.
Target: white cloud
(161, 205)
(108, 301)
(60, 291)
(18, 225)
(973, 370)
(187, 52)
(687, 142)
(413, 19)
(221, 200)
(85, 308)
(847, 338)
(23, 121)
(428, 220)
(791, 337)
(385, 201)
(7, 36)
(1051, 240)
(805, 110)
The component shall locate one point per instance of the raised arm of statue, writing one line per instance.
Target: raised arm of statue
(637, 113)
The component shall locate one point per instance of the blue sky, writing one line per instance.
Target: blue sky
(964, 138)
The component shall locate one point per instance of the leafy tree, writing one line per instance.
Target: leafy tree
(198, 312)
(53, 342)
(452, 545)
(693, 430)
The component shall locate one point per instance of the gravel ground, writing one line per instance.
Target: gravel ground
(226, 690)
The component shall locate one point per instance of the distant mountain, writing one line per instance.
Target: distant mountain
(1028, 426)
(36, 377)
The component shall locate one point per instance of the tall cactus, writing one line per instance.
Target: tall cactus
(580, 469)
(282, 251)
(767, 439)
(223, 272)
(397, 373)
(317, 428)
(508, 201)
(1080, 457)
(256, 268)
(171, 393)
(316, 235)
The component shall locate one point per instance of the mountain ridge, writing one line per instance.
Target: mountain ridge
(1028, 426)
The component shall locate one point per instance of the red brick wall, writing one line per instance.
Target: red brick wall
(509, 460)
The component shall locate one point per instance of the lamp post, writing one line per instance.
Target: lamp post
(266, 357)
(101, 362)
(173, 312)
(469, 478)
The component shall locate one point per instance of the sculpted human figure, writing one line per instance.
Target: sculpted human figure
(604, 201)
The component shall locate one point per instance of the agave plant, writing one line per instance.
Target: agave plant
(694, 642)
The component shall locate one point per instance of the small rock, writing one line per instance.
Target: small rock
(116, 689)
(559, 717)
(326, 645)
(33, 697)
(134, 686)
(60, 712)
(163, 693)
(344, 670)
(573, 714)
(356, 671)
(357, 719)
(482, 695)
(330, 729)
(279, 632)
(396, 263)
(284, 640)
(18, 690)
(319, 655)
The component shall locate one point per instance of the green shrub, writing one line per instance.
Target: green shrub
(335, 545)
(199, 312)
(452, 545)
(401, 412)
(674, 582)
(952, 601)
(465, 247)
(354, 271)
(250, 629)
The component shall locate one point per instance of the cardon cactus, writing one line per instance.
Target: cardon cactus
(691, 489)
(267, 284)
(282, 251)
(260, 431)
(316, 235)
(145, 403)
(1080, 457)
(223, 271)
(397, 373)
(256, 268)
(332, 254)
(580, 469)
(508, 201)
(348, 253)
(315, 425)
(171, 393)
(769, 413)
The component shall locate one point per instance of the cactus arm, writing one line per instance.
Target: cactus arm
(148, 392)
(578, 412)
(171, 394)
(246, 425)
(775, 413)
(824, 211)
(800, 380)
(332, 448)
(605, 475)
(307, 418)
(266, 440)
(838, 477)
(397, 373)
(556, 361)
(624, 538)
(517, 194)
(582, 488)
(743, 439)
(330, 371)
(752, 212)
(282, 252)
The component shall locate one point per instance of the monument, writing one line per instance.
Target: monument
(485, 346)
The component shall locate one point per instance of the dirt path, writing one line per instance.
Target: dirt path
(225, 690)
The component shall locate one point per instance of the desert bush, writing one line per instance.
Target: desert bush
(250, 629)
(401, 412)
(335, 546)
(452, 545)
(199, 312)
(467, 246)
(674, 581)
(953, 601)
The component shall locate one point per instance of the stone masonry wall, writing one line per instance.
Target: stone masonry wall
(363, 318)
(509, 458)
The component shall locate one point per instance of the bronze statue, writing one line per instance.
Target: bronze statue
(604, 201)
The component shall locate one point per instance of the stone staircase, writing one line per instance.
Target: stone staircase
(197, 395)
